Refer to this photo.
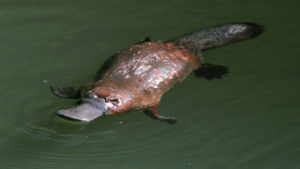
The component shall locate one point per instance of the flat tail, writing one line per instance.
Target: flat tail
(216, 36)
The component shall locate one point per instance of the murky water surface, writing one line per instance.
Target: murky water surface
(250, 119)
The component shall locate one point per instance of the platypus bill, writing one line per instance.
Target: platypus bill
(137, 78)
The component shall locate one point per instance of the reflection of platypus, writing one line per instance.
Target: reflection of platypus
(136, 78)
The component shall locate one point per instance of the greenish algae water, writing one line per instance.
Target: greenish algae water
(250, 119)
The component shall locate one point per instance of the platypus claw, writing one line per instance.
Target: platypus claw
(146, 39)
(170, 120)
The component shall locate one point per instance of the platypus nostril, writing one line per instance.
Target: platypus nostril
(93, 96)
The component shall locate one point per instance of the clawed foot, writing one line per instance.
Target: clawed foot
(155, 115)
(211, 71)
(64, 92)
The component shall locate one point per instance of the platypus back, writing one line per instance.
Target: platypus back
(216, 36)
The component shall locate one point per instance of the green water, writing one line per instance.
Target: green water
(248, 120)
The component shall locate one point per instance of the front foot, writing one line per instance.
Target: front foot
(65, 92)
(152, 112)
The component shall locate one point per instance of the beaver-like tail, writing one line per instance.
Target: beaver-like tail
(216, 36)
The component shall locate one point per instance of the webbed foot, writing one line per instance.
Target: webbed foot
(65, 92)
(211, 71)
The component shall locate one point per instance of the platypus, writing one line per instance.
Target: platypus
(136, 78)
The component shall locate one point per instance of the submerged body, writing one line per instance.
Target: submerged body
(137, 78)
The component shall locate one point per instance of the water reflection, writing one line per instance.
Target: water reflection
(66, 137)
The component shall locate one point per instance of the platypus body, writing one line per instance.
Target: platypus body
(137, 78)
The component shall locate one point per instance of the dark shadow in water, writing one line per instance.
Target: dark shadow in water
(211, 71)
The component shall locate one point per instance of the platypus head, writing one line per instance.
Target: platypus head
(87, 109)
(104, 99)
